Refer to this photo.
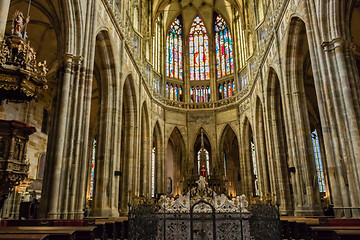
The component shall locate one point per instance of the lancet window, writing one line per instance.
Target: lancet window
(174, 56)
(92, 173)
(157, 46)
(153, 160)
(199, 51)
(227, 89)
(207, 159)
(200, 94)
(318, 161)
(224, 164)
(254, 168)
(241, 44)
(174, 92)
(224, 51)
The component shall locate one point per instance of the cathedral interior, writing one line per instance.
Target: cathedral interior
(107, 101)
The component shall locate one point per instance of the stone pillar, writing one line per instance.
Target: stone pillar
(4, 10)
(52, 189)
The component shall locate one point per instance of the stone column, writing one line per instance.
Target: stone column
(4, 10)
(54, 179)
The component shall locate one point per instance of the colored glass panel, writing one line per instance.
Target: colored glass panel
(253, 159)
(199, 51)
(92, 177)
(153, 159)
(174, 61)
(207, 160)
(176, 93)
(224, 53)
(167, 91)
(318, 161)
(224, 164)
(171, 92)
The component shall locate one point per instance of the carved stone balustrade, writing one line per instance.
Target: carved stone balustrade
(14, 166)
(21, 76)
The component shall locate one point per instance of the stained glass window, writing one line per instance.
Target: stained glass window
(253, 159)
(200, 94)
(174, 61)
(156, 46)
(244, 79)
(180, 93)
(224, 164)
(241, 44)
(207, 159)
(199, 51)
(227, 90)
(173, 92)
(318, 161)
(92, 176)
(224, 52)
(153, 156)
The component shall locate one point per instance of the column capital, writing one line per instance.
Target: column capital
(334, 43)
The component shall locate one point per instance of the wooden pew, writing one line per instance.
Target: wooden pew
(81, 232)
(285, 229)
(339, 222)
(52, 234)
(327, 232)
(346, 234)
(50, 222)
(24, 236)
(56, 232)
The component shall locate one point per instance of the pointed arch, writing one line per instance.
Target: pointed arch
(157, 163)
(174, 50)
(230, 160)
(278, 145)
(224, 49)
(127, 163)
(105, 144)
(303, 113)
(175, 162)
(197, 147)
(199, 51)
(264, 167)
(247, 160)
(145, 153)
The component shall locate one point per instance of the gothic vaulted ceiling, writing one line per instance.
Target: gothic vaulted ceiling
(189, 9)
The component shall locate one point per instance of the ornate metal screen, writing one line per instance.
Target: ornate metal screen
(201, 214)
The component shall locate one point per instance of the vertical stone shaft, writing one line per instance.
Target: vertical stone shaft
(59, 147)
(4, 10)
